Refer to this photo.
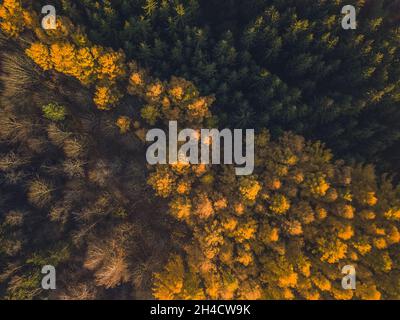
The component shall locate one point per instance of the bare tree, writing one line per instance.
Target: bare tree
(39, 192)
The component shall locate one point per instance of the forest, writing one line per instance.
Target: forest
(76, 192)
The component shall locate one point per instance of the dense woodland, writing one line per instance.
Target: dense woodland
(76, 192)
(265, 60)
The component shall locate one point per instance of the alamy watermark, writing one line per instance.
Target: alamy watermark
(349, 20)
(49, 21)
(349, 281)
(197, 144)
(49, 280)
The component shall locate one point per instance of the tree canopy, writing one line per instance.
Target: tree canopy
(76, 191)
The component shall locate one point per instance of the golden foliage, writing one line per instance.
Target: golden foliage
(124, 124)
(289, 280)
(183, 187)
(154, 90)
(105, 97)
(136, 79)
(279, 204)
(249, 189)
(346, 232)
(332, 251)
(63, 58)
(162, 181)
(91, 65)
(318, 185)
(111, 66)
(170, 281)
(41, 55)
(180, 208)
(294, 228)
(13, 17)
(203, 206)
(321, 282)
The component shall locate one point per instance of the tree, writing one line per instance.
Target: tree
(54, 112)
(39, 193)
(171, 281)
(108, 260)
